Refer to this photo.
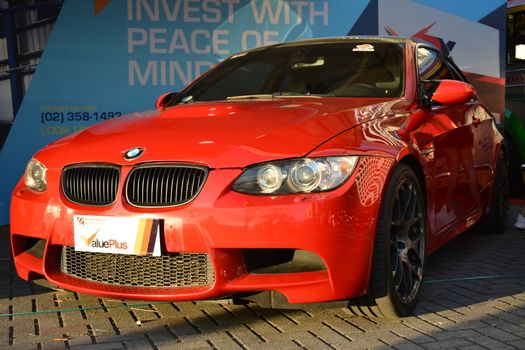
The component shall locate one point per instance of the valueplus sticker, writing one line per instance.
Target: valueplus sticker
(364, 48)
(116, 235)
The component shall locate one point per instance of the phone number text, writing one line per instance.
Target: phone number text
(62, 117)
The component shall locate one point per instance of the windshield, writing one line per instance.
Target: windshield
(350, 69)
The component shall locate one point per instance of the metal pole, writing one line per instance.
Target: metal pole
(17, 91)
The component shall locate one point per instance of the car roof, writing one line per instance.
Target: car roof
(342, 39)
(338, 40)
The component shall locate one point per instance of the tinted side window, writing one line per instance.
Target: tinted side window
(431, 66)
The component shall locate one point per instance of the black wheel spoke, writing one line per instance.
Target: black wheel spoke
(398, 275)
(415, 261)
(406, 204)
(397, 222)
(411, 204)
(397, 215)
(408, 278)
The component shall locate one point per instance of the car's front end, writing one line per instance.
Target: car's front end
(308, 246)
(216, 196)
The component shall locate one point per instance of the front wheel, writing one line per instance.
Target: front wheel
(399, 250)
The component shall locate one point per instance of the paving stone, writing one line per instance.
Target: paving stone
(472, 347)
(498, 334)
(491, 343)
(448, 343)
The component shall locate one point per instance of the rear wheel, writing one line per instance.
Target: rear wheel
(495, 220)
(516, 186)
(399, 250)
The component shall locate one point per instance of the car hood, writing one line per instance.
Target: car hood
(220, 134)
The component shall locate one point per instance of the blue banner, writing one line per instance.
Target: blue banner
(106, 58)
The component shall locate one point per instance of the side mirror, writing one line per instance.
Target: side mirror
(163, 100)
(453, 92)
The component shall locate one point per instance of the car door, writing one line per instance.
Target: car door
(453, 190)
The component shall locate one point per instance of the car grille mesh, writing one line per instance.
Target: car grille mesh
(167, 270)
(164, 185)
(91, 184)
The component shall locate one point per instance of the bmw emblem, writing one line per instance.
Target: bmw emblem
(133, 153)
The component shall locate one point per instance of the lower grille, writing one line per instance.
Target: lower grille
(168, 270)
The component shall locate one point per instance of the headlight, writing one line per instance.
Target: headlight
(303, 175)
(269, 178)
(35, 176)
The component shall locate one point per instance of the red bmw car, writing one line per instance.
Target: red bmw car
(311, 171)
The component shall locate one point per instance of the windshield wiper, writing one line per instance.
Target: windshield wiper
(250, 97)
(287, 93)
(297, 94)
(186, 100)
(275, 95)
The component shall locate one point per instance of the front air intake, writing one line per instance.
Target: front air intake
(167, 270)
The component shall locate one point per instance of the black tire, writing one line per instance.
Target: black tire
(516, 185)
(399, 250)
(494, 222)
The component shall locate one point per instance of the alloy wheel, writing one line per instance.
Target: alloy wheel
(407, 241)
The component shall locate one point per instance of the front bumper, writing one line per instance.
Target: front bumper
(337, 226)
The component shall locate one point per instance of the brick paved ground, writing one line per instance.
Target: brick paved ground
(475, 313)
